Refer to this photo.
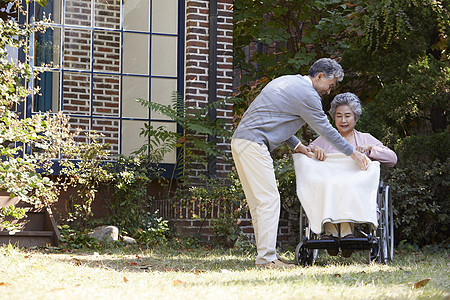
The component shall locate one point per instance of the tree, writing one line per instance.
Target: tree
(278, 37)
(396, 59)
(285, 37)
(400, 66)
(28, 146)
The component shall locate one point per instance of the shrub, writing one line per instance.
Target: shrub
(420, 190)
(130, 204)
(153, 229)
(409, 115)
(84, 168)
(28, 146)
(223, 202)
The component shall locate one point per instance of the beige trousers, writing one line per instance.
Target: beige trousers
(255, 169)
(342, 230)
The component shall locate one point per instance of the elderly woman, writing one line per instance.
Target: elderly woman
(345, 111)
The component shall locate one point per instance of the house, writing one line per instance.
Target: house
(103, 54)
(106, 53)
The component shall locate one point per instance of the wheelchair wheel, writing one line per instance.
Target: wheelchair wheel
(303, 225)
(304, 256)
(386, 228)
(374, 253)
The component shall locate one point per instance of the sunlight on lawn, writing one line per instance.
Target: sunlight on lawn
(212, 274)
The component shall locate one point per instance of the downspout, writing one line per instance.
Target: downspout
(212, 82)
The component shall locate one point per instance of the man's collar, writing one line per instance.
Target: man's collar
(307, 78)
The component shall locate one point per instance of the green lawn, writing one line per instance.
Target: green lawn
(163, 273)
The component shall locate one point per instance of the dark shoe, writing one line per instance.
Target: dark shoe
(331, 251)
(349, 236)
(328, 237)
(347, 253)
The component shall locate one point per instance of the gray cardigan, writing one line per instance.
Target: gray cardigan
(284, 105)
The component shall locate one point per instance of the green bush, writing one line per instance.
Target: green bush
(130, 205)
(420, 200)
(409, 115)
(225, 197)
(73, 239)
(28, 146)
(153, 229)
(84, 168)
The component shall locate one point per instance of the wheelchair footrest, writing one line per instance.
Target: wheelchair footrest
(321, 244)
(356, 243)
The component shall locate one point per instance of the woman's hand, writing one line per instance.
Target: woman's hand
(364, 148)
(360, 159)
(319, 153)
(303, 149)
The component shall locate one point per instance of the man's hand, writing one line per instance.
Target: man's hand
(319, 153)
(303, 149)
(360, 159)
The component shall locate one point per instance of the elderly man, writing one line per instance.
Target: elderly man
(277, 113)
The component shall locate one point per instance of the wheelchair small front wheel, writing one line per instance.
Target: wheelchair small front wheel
(303, 255)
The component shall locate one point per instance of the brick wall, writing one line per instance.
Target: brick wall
(185, 224)
(105, 102)
(196, 95)
(106, 57)
(197, 62)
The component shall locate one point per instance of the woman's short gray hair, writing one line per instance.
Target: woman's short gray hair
(329, 67)
(349, 99)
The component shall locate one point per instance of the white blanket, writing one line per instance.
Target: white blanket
(336, 190)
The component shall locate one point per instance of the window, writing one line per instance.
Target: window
(103, 54)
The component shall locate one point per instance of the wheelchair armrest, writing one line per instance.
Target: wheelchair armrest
(380, 187)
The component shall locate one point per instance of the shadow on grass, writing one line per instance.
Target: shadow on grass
(185, 260)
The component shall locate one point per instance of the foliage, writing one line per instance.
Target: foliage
(153, 229)
(404, 67)
(420, 200)
(27, 145)
(14, 213)
(85, 170)
(73, 239)
(407, 107)
(221, 202)
(130, 203)
(384, 48)
(404, 246)
(290, 35)
(130, 177)
(192, 144)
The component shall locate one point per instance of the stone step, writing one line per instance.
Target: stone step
(28, 239)
(37, 229)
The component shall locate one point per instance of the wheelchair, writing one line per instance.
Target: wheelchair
(378, 243)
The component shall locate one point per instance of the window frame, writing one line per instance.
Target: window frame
(28, 110)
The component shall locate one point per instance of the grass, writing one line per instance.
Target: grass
(165, 273)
